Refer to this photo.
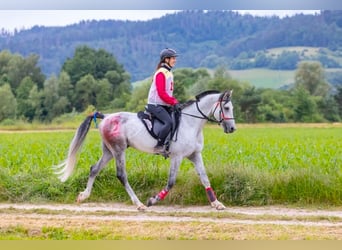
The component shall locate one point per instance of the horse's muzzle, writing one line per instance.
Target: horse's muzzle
(229, 129)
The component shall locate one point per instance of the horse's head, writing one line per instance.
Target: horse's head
(223, 112)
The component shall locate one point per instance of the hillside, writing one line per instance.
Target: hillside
(277, 78)
(204, 39)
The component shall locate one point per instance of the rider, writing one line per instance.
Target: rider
(160, 97)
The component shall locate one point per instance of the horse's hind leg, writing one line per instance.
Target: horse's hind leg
(94, 171)
(122, 176)
(196, 158)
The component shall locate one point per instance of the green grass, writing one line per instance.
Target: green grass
(299, 165)
(264, 78)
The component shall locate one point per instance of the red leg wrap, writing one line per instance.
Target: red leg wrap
(210, 194)
(162, 194)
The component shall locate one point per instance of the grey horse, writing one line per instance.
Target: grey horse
(124, 129)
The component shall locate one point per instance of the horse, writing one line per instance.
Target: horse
(124, 129)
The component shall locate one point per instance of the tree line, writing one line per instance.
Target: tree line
(204, 38)
(94, 77)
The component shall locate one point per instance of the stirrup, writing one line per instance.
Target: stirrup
(161, 150)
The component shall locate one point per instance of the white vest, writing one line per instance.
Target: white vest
(153, 97)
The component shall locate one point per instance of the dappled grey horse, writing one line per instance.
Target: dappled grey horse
(124, 129)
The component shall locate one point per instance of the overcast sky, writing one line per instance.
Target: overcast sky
(25, 19)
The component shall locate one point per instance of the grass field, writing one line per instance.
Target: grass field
(257, 165)
(264, 78)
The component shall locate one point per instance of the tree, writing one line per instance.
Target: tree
(310, 76)
(104, 94)
(22, 95)
(65, 90)
(287, 60)
(329, 109)
(272, 106)
(81, 64)
(188, 77)
(122, 95)
(305, 107)
(51, 97)
(249, 102)
(220, 80)
(85, 93)
(5, 57)
(112, 87)
(199, 86)
(261, 60)
(187, 81)
(105, 62)
(139, 96)
(338, 99)
(61, 106)
(88, 61)
(8, 103)
(35, 104)
(120, 86)
(18, 68)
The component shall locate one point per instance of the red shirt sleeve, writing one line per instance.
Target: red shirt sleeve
(160, 84)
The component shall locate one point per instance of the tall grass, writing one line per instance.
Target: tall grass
(254, 166)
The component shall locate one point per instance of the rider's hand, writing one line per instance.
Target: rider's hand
(178, 107)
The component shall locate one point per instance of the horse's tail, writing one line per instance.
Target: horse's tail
(65, 169)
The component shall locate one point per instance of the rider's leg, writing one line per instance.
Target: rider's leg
(161, 114)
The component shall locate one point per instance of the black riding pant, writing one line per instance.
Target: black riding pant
(162, 113)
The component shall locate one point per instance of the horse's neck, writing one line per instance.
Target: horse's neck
(205, 105)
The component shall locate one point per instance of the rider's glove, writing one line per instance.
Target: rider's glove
(178, 107)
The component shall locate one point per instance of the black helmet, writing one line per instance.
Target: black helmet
(165, 53)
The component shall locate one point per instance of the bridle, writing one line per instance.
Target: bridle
(225, 97)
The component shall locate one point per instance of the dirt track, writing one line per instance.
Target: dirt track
(13, 214)
(121, 221)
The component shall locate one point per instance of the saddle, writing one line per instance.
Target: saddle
(153, 125)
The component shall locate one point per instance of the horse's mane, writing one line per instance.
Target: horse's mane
(199, 96)
(207, 92)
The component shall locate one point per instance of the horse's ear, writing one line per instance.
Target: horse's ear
(227, 94)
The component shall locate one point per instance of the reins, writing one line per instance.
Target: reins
(205, 117)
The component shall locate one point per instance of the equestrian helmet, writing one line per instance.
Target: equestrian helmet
(166, 53)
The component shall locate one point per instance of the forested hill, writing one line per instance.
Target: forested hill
(204, 39)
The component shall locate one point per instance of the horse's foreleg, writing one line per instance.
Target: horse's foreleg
(94, 171)
(175, 162)
(196, 158)
(122, 176)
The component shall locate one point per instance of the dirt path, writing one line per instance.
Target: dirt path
(12, 214)
(122, 221)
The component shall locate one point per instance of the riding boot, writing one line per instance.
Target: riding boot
(159, 148)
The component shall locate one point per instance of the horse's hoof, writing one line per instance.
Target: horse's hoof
(81, 197)
(218, 205)
(142, 208)
(152, 201)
